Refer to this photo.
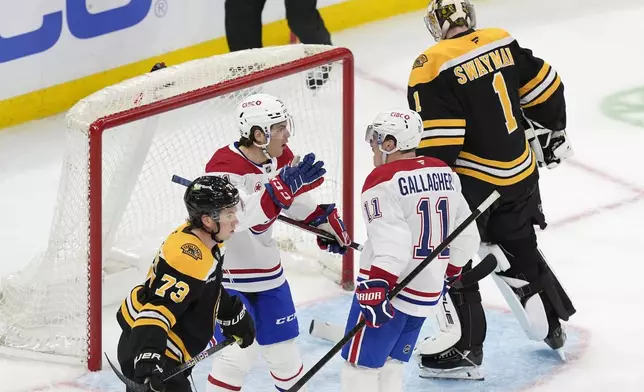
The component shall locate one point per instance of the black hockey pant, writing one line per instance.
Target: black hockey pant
(243, 22)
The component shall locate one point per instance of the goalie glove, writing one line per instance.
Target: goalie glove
(550, 147)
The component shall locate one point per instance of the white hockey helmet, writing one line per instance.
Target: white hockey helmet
(405, 126)
(444, 14)
(263, 111)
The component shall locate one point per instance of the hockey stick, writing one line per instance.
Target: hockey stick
(290, 221)
(315, 230)
(399, 287)
(136, 387)
(334, 332)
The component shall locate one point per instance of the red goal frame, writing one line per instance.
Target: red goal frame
(96, 129)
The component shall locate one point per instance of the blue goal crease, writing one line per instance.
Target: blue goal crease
(511, 362)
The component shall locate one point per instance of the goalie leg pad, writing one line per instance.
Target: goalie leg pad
(564, 308)
(531, 314)
(529, 274)
(284, 362)
(450, 330)
(528, 264)
(467, 301)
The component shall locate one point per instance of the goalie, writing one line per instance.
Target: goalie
(472, 89)
(253, 268)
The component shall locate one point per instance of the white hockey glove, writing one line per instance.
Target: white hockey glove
(550, 147)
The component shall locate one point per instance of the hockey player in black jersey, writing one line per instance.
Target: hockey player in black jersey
(171, 317)
(472, 90)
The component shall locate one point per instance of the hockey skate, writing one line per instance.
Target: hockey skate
(556, 339)
(453, 364)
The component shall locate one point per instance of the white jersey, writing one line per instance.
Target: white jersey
(252, 256)
(409, 207)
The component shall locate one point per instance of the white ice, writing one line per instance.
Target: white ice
(594, 203)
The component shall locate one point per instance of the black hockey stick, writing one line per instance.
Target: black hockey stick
(477, 273)
(399, 287)
(290, 221)
(136, 387)
(315, 230)
(334, 332)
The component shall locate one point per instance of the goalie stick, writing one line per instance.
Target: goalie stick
(338, 346)
(290, 221)
(334, 332)
(136, 387)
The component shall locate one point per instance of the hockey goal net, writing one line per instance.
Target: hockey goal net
(116, 202)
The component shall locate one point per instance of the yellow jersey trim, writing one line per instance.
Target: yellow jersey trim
(500, 164)
(535, 81)
(439, 142)
(447, 50)
(497, 181)
(440, 123)
(546, 94)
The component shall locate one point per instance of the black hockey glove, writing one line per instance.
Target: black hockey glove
(235, 321)
(148, 369)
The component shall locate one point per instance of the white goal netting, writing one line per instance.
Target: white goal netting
(44, 307)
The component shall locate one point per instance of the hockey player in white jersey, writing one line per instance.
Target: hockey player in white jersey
(410, 205)
(253, 270)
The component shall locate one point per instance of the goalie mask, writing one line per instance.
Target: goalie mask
(263, 111)
(405, 126)
(445, 14)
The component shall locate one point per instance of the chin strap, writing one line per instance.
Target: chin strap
(214, 233)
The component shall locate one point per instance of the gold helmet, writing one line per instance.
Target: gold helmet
(445, 14)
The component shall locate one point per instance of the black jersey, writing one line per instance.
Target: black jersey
(471, 92)
(174, 311)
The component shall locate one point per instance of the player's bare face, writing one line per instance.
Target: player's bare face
(227, 223)
(279, 138)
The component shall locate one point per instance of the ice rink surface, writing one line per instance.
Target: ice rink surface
(594, 205)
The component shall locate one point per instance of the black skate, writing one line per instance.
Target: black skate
(556, 339)
(453, 364)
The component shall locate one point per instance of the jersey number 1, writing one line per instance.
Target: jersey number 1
(425, 247)
(501, 89)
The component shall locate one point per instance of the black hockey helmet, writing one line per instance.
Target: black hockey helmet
(208, 195)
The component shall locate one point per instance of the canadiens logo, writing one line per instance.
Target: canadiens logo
(192, 250)
(420, 60)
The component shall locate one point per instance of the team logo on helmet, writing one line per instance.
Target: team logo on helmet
(400, 115)
(251, 104)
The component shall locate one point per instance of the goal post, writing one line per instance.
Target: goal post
(116, 201)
